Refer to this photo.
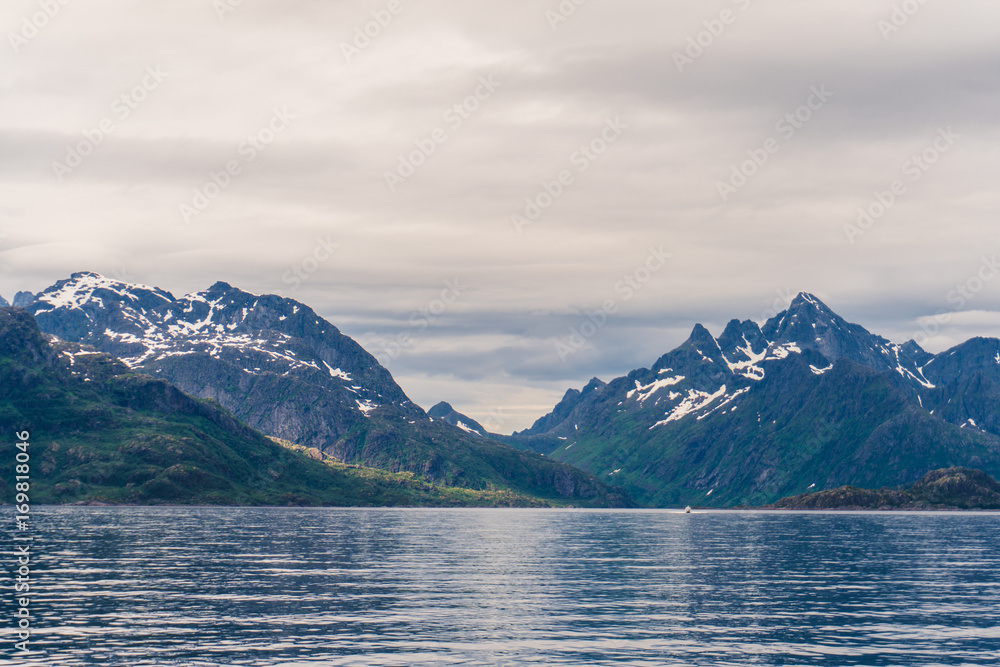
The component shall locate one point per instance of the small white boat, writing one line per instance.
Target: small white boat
(687, 510)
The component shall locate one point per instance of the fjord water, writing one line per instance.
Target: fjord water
(309, 587)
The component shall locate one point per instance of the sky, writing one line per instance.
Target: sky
(501, 200)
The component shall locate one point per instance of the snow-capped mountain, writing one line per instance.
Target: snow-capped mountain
(761, 411)
(254, 341)
(287, 372)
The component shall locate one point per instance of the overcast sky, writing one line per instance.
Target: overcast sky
(715, 153)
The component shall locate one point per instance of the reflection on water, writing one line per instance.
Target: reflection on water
(310, 587)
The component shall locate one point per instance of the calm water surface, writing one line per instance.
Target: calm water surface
(311, 587)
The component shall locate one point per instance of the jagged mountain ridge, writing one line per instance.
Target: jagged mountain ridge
(761, 412)
(285, 371)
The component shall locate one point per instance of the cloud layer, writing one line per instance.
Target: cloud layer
(492, 120)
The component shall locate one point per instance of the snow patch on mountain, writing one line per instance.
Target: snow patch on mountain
(337, 373)
(748, 368)
(73, 294)
(782, 351)
(645, 391)
(468, 429)
(695, 400)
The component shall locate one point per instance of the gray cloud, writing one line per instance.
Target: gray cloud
(322, 180)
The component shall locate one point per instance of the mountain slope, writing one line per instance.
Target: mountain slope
(949, 488)
(448, 414)
(765, 412)
(285, 371)
(100, 432)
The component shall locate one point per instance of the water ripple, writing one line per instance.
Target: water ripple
(310, 587)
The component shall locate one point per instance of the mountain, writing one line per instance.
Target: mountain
(3, 302)
(763, 412)
(950, 488)
(446, 413)
(288, 373)
(22, 299)
(100, 432)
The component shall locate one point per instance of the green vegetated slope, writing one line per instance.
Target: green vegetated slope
(100, 432)
(792, 430)
(948, 488)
